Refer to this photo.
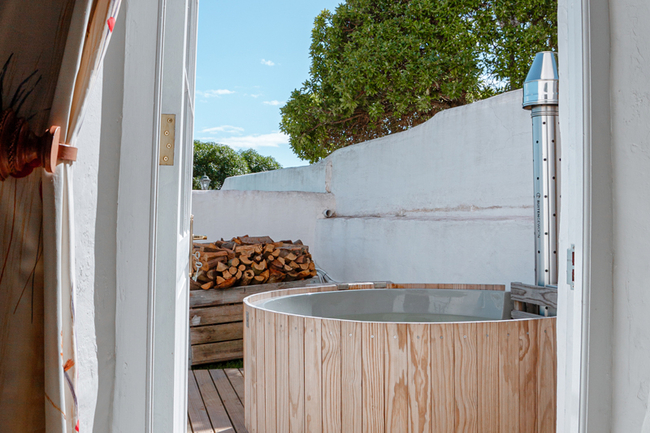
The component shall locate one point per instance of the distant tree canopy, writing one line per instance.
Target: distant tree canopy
(383, 66)
(219, 161)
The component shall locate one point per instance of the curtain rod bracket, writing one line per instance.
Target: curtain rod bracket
(21, 151)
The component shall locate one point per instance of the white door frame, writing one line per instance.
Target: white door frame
(173, 243)
(150, 72)
(585, 313)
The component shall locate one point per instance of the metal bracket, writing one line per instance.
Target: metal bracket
(571, 266)
(167, 138)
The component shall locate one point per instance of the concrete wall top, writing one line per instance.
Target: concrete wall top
(474, 157)
(310, 178)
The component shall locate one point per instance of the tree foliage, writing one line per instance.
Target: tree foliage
(219, 161)
(383, 66)
(257, 163)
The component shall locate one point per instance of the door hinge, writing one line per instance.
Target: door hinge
(167, 138)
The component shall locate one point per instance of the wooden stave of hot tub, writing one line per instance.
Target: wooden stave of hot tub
(328, 388)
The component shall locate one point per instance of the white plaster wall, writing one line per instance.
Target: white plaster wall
(467, 159)
(420, 250)
(311, 178)
(85, 199)
(448, 201)
(280, 215)
(630, 118)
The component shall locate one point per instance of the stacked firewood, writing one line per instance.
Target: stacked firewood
(249, 260)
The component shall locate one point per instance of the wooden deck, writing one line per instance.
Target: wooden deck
(216, 401)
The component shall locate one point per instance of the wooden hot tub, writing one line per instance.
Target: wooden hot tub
(311, 365)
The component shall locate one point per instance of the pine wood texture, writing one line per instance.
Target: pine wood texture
(331, 375)
(372, 378)
(313, 376)
(269, 371)
(296, 374)
(419, 378)
(396, 361)
(443, 397)
(351, 412)
(198, 414)
(214, 404)
(344, 376)
(282, 372)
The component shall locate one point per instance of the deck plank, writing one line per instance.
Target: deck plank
(230, 400)
(236, 379)
(197, 412)
(213, 404)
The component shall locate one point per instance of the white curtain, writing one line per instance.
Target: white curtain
(50, 52)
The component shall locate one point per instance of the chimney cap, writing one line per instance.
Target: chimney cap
(541, 85)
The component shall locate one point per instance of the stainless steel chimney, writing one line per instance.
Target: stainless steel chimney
(541, 97)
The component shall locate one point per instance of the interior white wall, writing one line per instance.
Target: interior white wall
(630, 132)
(85, 198)
(114, 205)
(447, 201)
(603, 325)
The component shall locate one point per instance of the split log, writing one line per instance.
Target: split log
(249, 260)
(252, 240)
(194, 285)
(212, 263)
(227, 283)
(247, 277)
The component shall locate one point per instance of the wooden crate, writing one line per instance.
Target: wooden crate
(216, 320)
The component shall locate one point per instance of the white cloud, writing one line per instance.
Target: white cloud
(256, 95)
(267, 62)
(223, 128)
(214, 93)
(255, 141)
(273, 102)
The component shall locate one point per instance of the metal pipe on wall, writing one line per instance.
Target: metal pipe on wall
(541, 97)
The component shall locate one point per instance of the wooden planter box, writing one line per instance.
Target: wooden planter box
(216, 320)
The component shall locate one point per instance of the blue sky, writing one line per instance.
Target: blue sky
(251, 55)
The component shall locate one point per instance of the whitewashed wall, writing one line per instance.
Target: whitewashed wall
(281, 215)
(630, 158)
(448, 201)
